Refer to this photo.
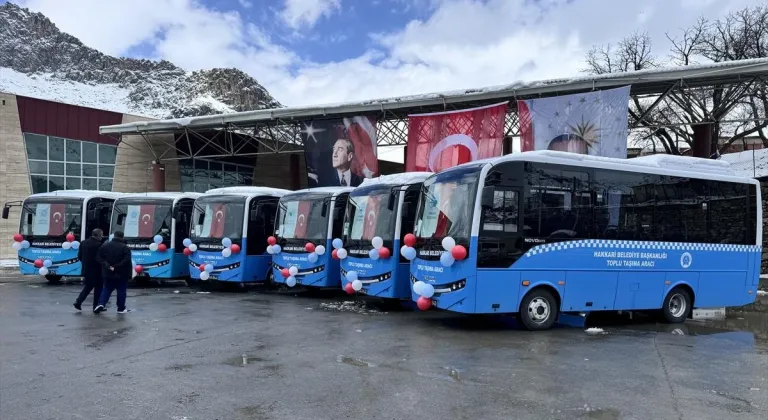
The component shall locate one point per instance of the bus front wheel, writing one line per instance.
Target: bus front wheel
(677, 306)
(53, 279)
(538, 310)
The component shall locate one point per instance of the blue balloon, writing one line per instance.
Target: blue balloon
(290, 281)
(410, 253)
(75, 245)
(226, 242)
(47, 263)
(158, 239)
(25, 244)
(312, 258)
(187, 242)
(209, 268)
(446, 259)
(352, 275)
(374, 254)
(111, 236)
(337, 243)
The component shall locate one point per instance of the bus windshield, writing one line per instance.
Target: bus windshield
(142, 219)
(447, 204)
(218, 217)
(51, 218)
(303, 219)
(368, 215)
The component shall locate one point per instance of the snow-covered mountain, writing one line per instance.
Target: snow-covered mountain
(38, 60)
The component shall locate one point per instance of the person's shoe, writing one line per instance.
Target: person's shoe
(77, 306)
(98, 309)
(124, 311)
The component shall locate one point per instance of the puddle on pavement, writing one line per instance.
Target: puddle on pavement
(354, 361)
(603, 414)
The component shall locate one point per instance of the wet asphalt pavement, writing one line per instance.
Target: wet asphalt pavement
(180, 356)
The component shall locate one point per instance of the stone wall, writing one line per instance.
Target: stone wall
(133, 171)
(14, 172)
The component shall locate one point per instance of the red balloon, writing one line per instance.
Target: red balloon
(384, 252)
(235, 248)
(459, 252)
(285, 273)
(424, 303)
(271, 240)
(187, 251)
(310, 247)
(38, 263)
(202, 267)
(139, 269)
(349, 289)
(18, 237)
(162, 248)
(335, 254)
(410, 239)
(70, 237)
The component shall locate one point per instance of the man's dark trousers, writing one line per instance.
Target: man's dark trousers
(92, 282)
(112, 283)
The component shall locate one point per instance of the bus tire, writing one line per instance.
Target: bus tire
(191, 282)
(53, 279)
(538, 310)
(677, 306)
(142, 281)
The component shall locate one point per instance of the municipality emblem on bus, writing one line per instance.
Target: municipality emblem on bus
(686, 260)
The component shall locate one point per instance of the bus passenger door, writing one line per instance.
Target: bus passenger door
(499, 244)
(261, 223)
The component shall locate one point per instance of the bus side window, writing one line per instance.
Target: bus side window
(338, 215)
(408, 218)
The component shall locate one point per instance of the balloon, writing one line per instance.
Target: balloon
(157, 239)
(309, 247)
(187, 242)
(66, 245)
(319, 250)
(290, 281)
(418, 287)
(193, 248)
(235, 248)
(285, 272)
(276, 249)
(424, 303)
(335, 254)
(201, 267)
(351, 275)
(446, 259)
(459, 252)
(153, 246)
(312, 257)
(25, 244)
(16, 246)
(226, 252)
(162, 247)
(38, 263)
(409, 239)
(209, 268)
(293, 270)
(43, 271)
(139, 269)
(272, 240)
(47, 263)
(111, 236)
(342, 253)
(75, 245)
(377, 242)
(384, 253)
(373, 254)
(70, 237)
(448, 243)
(427, 290)
(187, 251)
(205, 275)
(348, 288)
(226, 242)
(18, 237)
(337, 243)
(409, 253)
(357, 285)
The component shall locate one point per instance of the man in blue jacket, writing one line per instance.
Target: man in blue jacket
(116, 269)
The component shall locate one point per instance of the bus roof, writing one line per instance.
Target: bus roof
(83, 194)
(248, 191)
(332, 191)
(670, 165)
(405, 178)
(160, 195)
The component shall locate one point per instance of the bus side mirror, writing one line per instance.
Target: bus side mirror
(6, 212)
(29, 218)
(487, 198)
(391, 200)
(324, 210)
(201, 218)
(120, 218)
(406, 211)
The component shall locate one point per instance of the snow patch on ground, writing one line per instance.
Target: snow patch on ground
(9, 263)
(762, 293)
(351, 306)
(594, 331)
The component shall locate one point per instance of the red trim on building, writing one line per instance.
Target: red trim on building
(62, 120)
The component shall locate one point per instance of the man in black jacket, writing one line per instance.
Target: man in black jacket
(91, 268)
(116, 268)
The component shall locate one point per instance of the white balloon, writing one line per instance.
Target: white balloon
(319, 250)
(357, 285)
(341, 253)
(153, 246)
(377, 242)
(276, 249)
(427, 290)
(352, 275)
(403, 250)
(290, 281)
(337, 243)
(16, 246)
(193, 247)
(43, 271)
(205, 275)
(418, 287)
(226, 252)
(312, 257)
(270, 251)
(293, 270)
(448, 243)
(66, 245)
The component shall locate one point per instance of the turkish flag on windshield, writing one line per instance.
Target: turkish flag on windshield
(302, 219)
(219, 220)
(58, 220)
(146, 221)
(371, 217)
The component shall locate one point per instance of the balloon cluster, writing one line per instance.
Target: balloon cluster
(408, 251)
(43, 266)
(338, 253)
(19, 243)
(229, 248)
(205, 271)
(353, 283)
(70, 242)
(273, 248)
(452, 252)
(290, 275)
(189, 247)
(425, 292)
(157, 244)
(314, 251)
(379, 250)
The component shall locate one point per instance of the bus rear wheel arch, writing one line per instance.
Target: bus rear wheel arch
(678, 305)
(539, 309)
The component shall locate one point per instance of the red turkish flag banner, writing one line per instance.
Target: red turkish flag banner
(57, 220)
(219, 221)
(443, 140)
(146, 221)
(302, 218)
(371, 216)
